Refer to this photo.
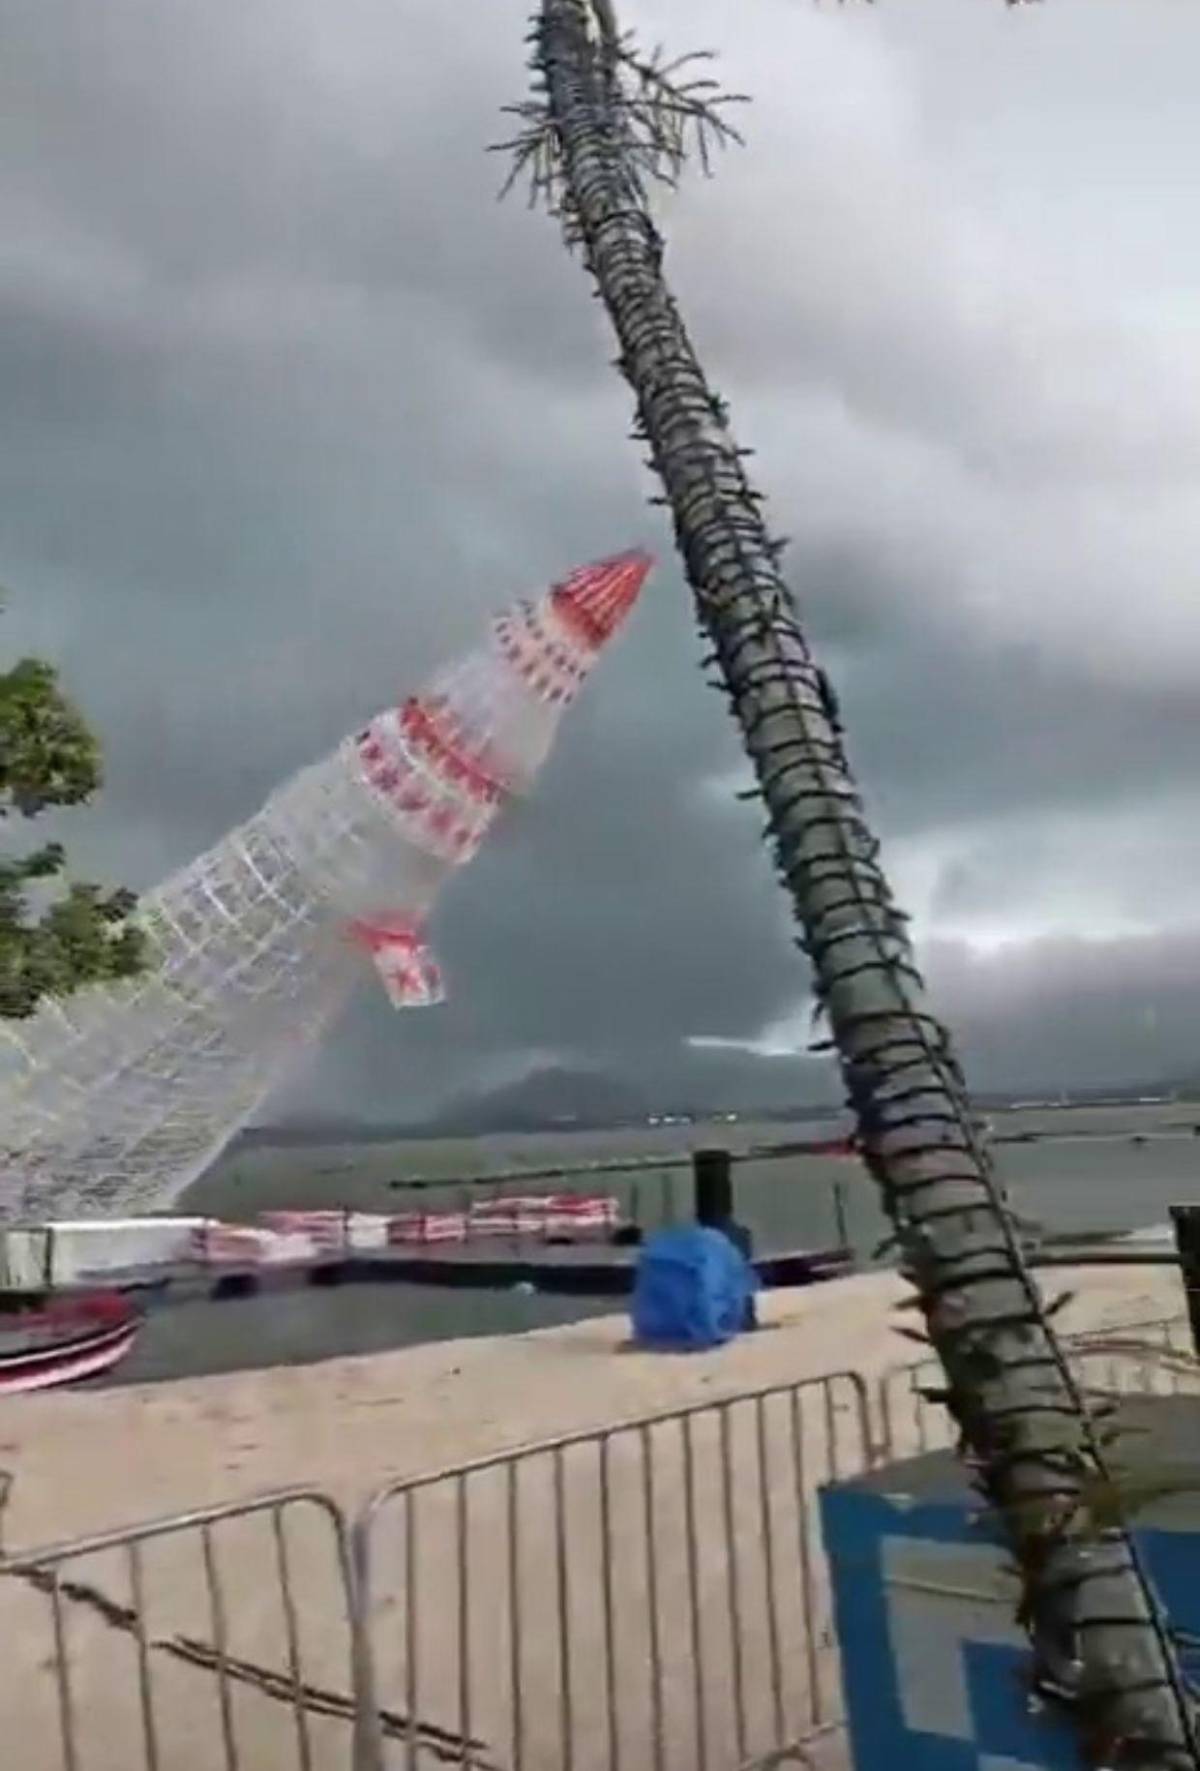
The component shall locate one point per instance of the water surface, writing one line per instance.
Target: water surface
(1102, 1169)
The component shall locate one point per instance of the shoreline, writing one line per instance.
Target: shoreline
(348, 1425)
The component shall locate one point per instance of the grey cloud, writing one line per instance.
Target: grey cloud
(292, 402)
(1069, 1012)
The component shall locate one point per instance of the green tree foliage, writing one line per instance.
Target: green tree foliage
(52, 943)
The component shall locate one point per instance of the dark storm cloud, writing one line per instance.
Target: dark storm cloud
(1069, 1012)
(291, 402)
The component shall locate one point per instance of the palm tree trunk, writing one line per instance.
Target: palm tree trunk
(1098, 1634)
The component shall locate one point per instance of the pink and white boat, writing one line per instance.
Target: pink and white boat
(52, 1341)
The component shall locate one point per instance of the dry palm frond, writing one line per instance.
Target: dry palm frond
(665, 111)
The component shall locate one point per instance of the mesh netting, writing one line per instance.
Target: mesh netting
(114, 1100)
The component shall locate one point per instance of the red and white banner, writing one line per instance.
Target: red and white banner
(222, 1245)
(326, 1229)
(409, 972)
(544, 1214)
(249, 1245)
(423, 1227)
(281, 1238)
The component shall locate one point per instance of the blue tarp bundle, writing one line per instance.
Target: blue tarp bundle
(693, 1288)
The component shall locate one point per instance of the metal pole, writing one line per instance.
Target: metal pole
(1186, 1219)
(368, 1747)
(839, 1214)
(712, 1177)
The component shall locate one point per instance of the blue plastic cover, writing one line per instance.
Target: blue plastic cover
(692, 1289)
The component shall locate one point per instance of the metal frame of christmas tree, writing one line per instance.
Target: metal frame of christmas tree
(116, 1099)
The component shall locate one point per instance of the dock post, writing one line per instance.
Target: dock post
(839, 1214)
(1186, 1219)
(712, 1175)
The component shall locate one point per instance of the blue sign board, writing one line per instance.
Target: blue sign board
(935, 1670)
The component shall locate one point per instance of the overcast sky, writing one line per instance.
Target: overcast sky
(289, 402)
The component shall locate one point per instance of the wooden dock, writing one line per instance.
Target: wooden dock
(579, 1269)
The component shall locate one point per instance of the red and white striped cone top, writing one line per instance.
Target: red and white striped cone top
(551, 645)
(448, 758)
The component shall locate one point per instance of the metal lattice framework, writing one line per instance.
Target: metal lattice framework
(115, 1100)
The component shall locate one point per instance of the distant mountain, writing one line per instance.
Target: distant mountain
(710, 1086)
(332, 1129)
(551, 1099)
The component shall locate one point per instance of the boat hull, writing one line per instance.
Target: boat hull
(63, 1347)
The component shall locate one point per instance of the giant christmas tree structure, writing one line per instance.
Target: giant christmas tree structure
(113, 1101)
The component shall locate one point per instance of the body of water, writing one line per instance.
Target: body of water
(1096, 1169)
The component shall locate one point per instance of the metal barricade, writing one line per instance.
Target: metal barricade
(1142, 1358)
(217, 1640)
(647, 1597)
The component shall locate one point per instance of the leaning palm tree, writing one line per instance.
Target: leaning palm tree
(602, 122)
